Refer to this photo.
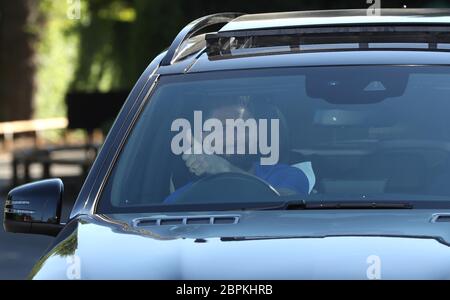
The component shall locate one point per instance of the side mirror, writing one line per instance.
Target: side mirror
(35, 208)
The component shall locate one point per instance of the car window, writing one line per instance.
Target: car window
(239, 137)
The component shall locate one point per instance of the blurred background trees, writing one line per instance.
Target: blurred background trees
(44, 54)
(17, 57)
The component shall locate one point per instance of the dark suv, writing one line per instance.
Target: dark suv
(300, 145)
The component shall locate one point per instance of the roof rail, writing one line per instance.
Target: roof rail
(192, 28)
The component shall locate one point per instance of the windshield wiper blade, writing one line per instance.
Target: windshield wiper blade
(359, 205)
(287, 205)
(303, 205)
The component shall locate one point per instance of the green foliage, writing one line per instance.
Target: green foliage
(116, 39)
(124, 35)
(157, 23)
(103, 62)
(56, 57)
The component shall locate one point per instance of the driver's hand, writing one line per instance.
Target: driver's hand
(210, 164)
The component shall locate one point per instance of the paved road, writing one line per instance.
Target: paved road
(18, 252)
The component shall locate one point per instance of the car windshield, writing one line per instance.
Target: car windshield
(235, 139)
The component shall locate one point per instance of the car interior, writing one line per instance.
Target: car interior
(371, 148)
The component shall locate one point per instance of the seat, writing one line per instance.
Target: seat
(405, 172)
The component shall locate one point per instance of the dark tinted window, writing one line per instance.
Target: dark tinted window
(363, 133)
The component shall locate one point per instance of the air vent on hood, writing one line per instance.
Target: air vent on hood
(191, 220)
(438, 218)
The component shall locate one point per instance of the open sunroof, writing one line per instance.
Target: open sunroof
(256, 42)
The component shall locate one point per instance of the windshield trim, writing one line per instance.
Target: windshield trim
(116, 155)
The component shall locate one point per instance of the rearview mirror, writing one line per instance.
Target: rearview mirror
(35, 208)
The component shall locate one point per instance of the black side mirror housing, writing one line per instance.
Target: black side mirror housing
(35, 208)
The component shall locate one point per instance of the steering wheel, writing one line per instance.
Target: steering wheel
(228, 188)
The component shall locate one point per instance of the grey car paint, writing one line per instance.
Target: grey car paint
(338, 17)
(356, 244)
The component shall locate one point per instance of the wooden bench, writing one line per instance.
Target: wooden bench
(86, 111)
(43, 156)
(9, 129)
(25, 158)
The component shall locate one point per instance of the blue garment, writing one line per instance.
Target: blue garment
(278, 176)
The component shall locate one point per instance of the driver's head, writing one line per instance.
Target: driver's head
(235, 111)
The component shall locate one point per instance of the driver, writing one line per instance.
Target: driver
(287, 180)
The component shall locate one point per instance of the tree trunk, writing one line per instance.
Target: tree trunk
(18, 26)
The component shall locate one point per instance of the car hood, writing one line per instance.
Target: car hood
(354, 244)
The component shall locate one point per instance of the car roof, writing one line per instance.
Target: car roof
(338, 17)
(249, 24)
